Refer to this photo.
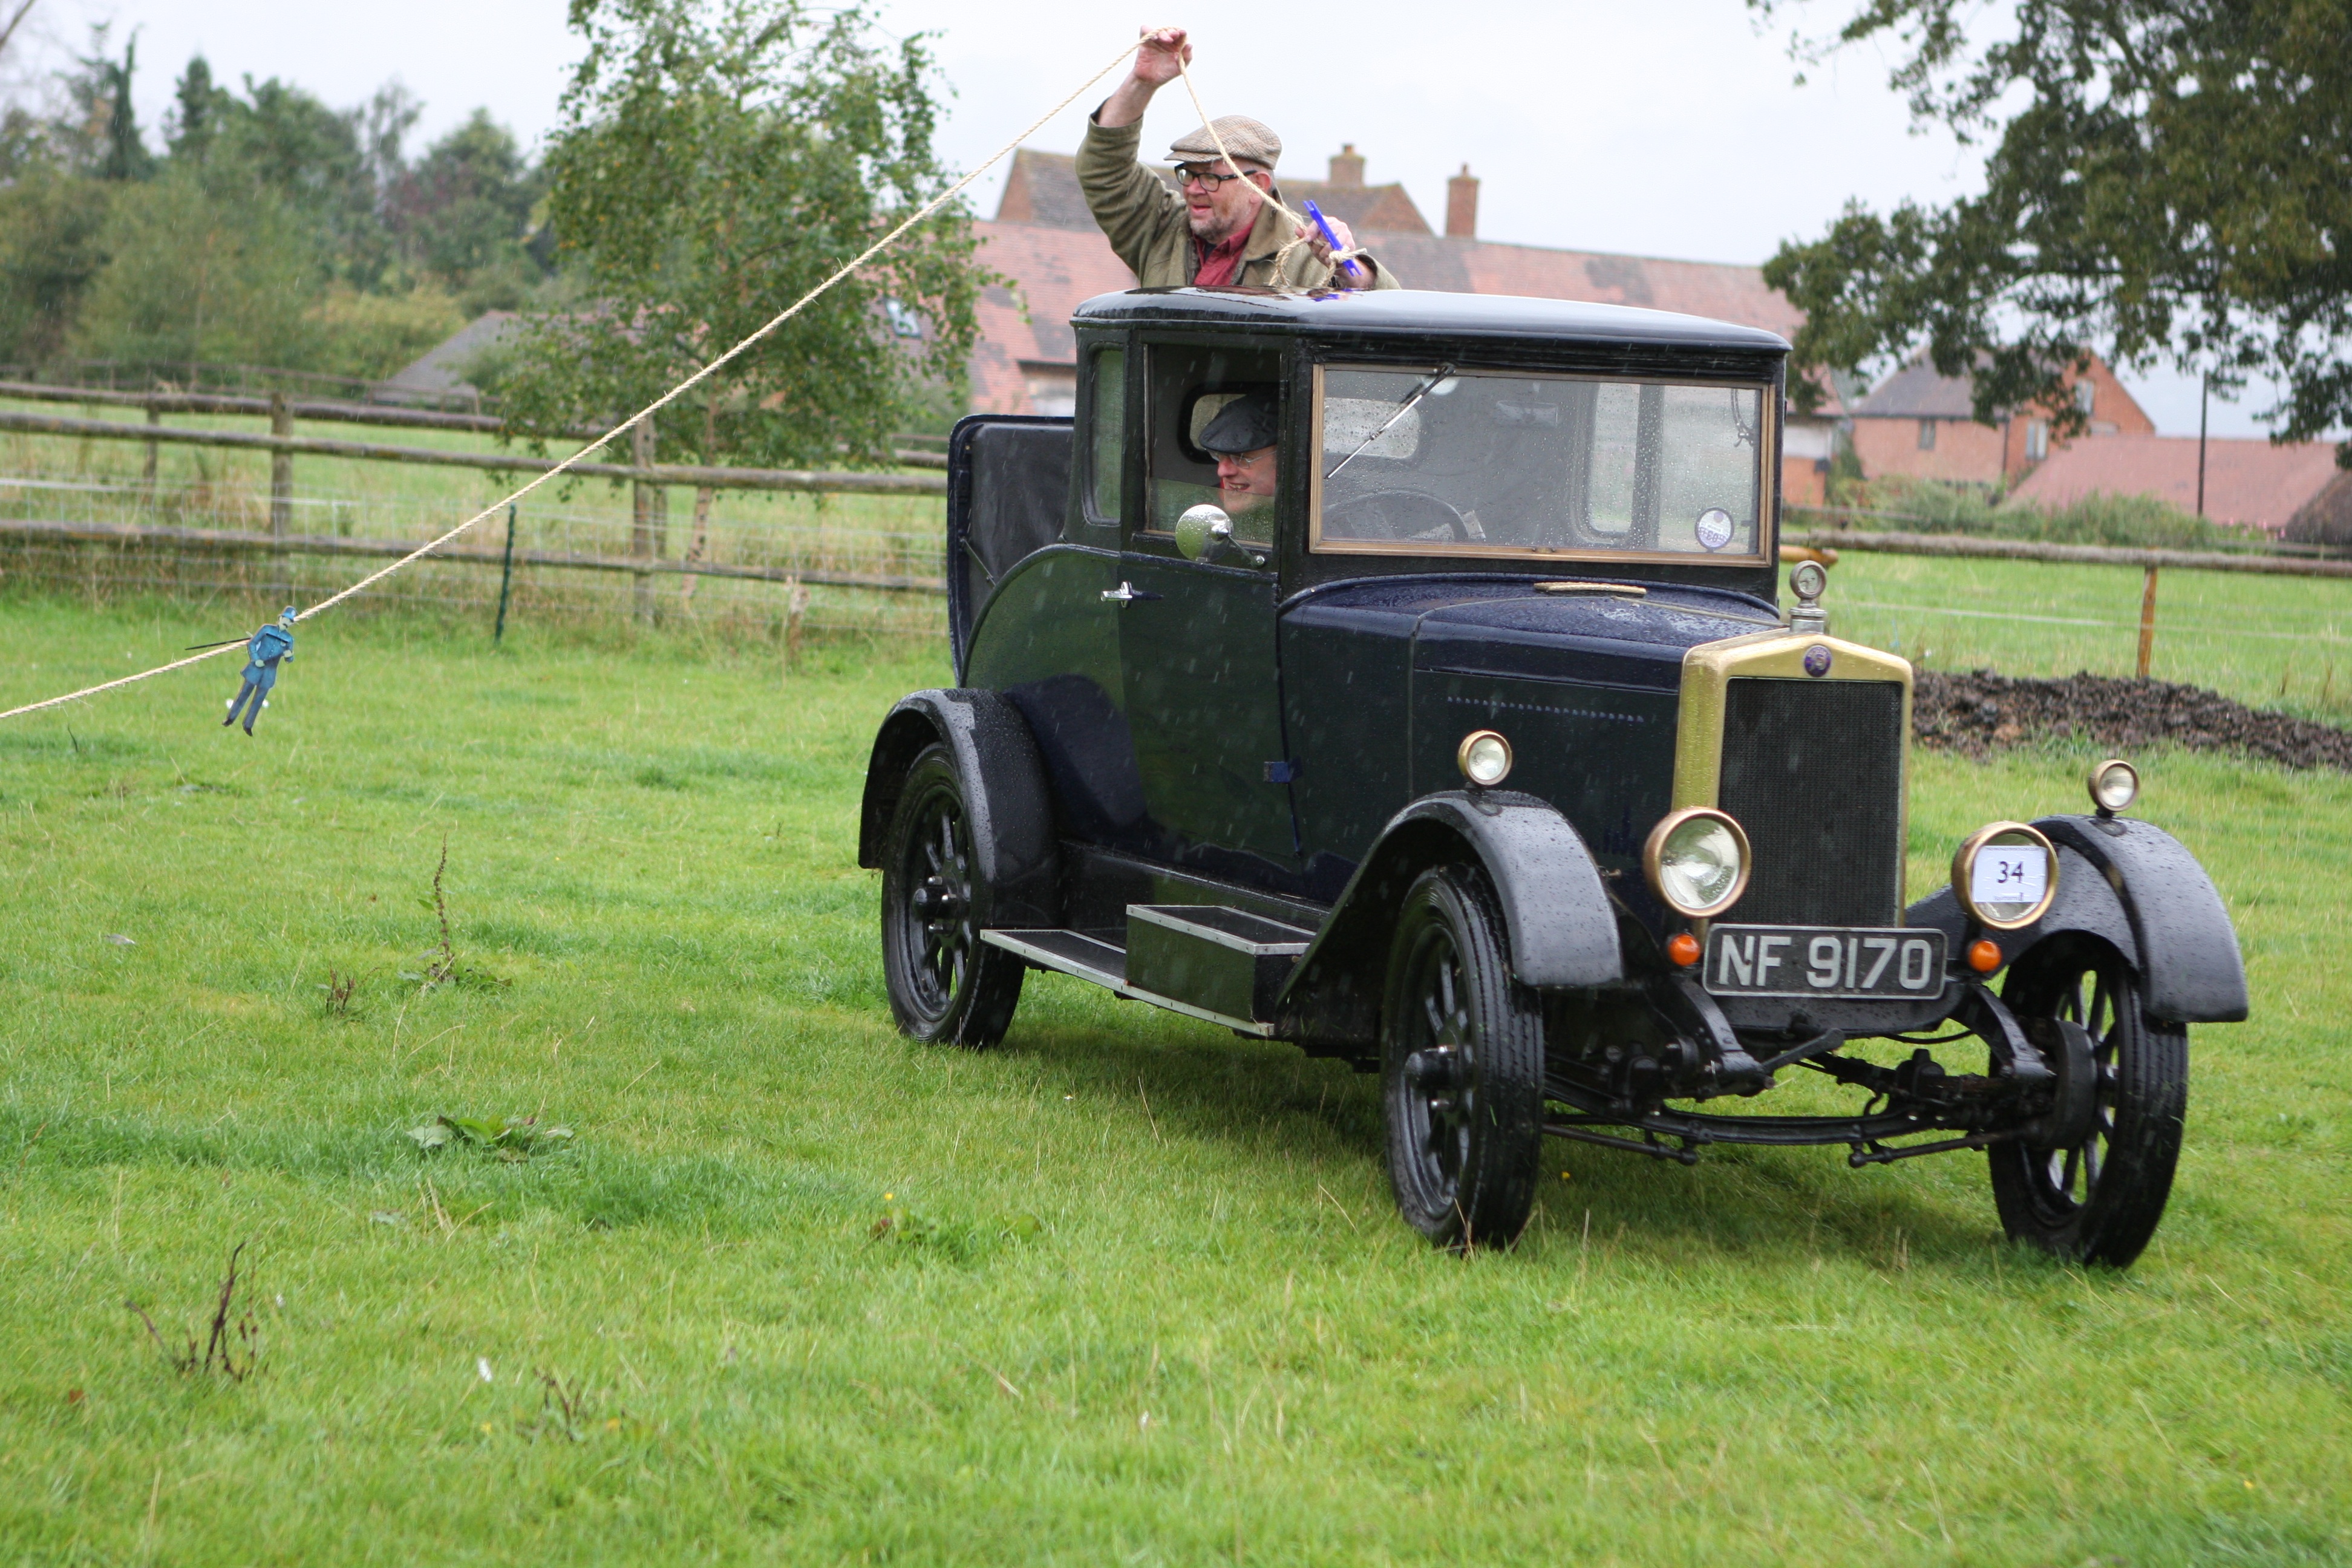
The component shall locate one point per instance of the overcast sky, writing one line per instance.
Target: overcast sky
(1672, 128)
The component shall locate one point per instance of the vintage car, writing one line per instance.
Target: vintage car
(1468, 744)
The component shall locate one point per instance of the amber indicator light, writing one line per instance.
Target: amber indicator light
(1984, 957)
(1683, 948)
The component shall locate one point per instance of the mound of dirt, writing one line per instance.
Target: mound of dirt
(1978, 710)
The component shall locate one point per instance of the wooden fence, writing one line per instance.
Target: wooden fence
(649, 479)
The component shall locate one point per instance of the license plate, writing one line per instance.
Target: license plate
(1822, 960)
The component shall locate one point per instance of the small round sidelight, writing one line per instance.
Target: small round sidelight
(1683, 948)
(2005, 875)
(1697, 861)
(1984, 957)
(1484, 757)
(2115, 785)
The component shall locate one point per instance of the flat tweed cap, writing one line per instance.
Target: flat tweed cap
(1248, 140)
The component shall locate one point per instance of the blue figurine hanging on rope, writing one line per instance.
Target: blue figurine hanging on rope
(262, 652)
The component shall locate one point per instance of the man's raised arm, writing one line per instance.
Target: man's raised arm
(1135, 210)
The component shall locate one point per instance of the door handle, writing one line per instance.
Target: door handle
(1126, 594)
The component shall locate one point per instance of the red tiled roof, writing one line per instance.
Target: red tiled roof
(2249, 483)
(1058, 263)
(1056, 270)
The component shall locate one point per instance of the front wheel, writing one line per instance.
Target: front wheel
(945, 984)
(2098, 1200)
(1461, 1068)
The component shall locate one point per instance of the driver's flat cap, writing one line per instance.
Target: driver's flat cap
(1249, 141)
(1245, 425)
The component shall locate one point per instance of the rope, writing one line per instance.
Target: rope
(675, 392)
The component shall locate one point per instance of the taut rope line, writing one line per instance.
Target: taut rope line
(648, 411)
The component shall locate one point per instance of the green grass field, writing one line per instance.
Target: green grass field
(1143, 1298)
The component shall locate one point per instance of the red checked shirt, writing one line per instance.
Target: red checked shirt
(1220, 263)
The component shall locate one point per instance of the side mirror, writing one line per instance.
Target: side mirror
(1205, 533)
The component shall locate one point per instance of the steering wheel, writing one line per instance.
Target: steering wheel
(1398, 515)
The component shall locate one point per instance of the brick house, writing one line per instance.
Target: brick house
(1044, 238)
(2294, 490)
(1922, 425)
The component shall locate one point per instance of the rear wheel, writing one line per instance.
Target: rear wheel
(2098, 1199)
(1461, 1054)
(944, 982)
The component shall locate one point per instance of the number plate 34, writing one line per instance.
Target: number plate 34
(1820, 961)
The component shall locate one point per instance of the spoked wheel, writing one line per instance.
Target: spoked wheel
(2098, 1201)
(945, 984)
(1461, 1068)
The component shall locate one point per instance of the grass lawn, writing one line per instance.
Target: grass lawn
(1143, 1298)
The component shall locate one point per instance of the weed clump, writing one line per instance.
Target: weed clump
(231, 1345)
(442, 964)
(515, 1140)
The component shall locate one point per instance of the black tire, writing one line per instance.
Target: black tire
(945, 984)
(1461, 1047)
(2098, 1201)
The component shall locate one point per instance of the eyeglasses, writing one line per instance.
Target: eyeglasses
(1189, 173)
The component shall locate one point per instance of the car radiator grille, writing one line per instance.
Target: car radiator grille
(1813, 771)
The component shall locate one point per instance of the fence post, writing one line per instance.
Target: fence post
(155, 416)
(506, 579)
(282, 468)
(2147, 621)
(649, 508)
(796, 599)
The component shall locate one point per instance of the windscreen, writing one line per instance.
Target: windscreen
(1434, 460)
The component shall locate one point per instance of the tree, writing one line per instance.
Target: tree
(203, 268)
(463, 211)
(2166, 180)
(198, 107)
(715, 161)
(125, 154)
(50, 248)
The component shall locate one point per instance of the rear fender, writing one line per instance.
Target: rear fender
(2138, 888)
(1561, 927)
(1011, 815)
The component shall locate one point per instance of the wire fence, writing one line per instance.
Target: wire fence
(746, 563)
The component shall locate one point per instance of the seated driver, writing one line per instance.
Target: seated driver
(1242, 438)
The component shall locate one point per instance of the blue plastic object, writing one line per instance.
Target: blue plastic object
(1331, 238)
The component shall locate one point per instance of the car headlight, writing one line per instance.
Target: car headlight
(2115, 785)
(1697, 861)
(2005, 875)
(1484, 757)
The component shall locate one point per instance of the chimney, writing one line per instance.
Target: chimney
(1462, 205)
(1347, 165)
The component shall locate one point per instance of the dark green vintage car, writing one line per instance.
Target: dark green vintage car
(1457, 730)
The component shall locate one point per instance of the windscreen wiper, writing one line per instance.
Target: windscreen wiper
(1418, 393)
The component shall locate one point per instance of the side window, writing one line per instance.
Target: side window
(1215, 423)
(1108, 463)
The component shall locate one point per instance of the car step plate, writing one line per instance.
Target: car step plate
(1823, 960)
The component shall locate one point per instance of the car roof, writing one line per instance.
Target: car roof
(1415, 312)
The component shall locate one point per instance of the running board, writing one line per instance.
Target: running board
(1102, 964)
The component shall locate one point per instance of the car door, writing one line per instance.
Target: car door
(1197, 640)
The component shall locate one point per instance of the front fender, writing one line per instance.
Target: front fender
(2139, 888)
(1005, 793)
(1561, 926)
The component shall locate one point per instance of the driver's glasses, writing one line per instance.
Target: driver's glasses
(1203, 174)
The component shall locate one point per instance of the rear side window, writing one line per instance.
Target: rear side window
(1108, 462)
